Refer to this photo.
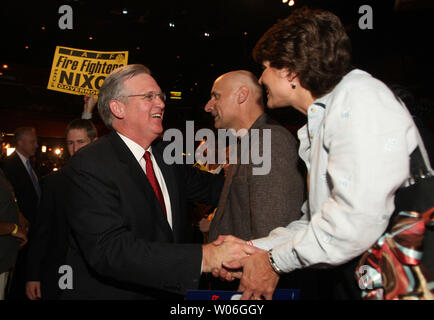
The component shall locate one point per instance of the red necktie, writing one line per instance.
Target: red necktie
(153, 180)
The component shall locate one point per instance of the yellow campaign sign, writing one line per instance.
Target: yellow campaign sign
(82, 72)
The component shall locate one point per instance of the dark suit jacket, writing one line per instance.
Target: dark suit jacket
(25, 193)
(8, 213)
(122, 246)
(48, 238)
(251, 205)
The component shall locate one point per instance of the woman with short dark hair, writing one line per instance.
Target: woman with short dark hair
(356, 146)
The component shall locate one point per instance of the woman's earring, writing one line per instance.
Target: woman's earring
(293, 86)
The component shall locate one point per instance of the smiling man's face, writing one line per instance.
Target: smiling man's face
(145, 107)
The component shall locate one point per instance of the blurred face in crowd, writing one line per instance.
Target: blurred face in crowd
(76, 139)
(222, 104)
(27, 144)
(140, 117)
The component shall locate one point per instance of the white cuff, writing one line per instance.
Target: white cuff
(86, 115)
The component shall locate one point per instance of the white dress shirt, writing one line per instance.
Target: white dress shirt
(356, 146)
(22, 158)
(138, 153)
(24, 161)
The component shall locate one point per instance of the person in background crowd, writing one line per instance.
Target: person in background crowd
(21, 174)
(13, 230)
(49, 236)
(356, 145)
(24, 180)
(2, 150)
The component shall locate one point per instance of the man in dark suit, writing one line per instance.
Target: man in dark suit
(48, 243)
(126, 206)
(20, 173)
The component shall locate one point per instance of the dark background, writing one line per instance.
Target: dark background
(396, 51)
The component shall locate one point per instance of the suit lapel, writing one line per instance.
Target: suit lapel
(22, 170)
(136, 173)
(235, 170)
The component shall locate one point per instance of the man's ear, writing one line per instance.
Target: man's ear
(243, 94)
(117, 108)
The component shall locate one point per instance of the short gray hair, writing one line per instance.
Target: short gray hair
(22, 131)
(113, 88)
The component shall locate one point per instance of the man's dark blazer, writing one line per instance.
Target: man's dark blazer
(121, 245)
(18, 176)
(48, 238)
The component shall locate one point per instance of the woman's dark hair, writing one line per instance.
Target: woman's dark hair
(311, 43)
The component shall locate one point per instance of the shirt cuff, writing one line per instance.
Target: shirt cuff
(86, 115)
(285, 258)
(262, 243)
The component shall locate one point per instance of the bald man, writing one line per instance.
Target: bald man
(251, 205)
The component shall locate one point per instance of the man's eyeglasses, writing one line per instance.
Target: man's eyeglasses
(150, 96)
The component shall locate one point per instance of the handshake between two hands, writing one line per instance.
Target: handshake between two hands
(229, 257)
